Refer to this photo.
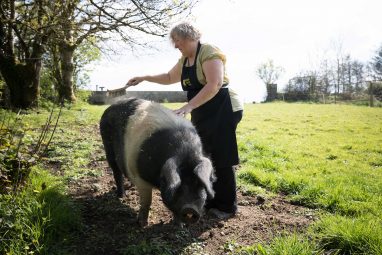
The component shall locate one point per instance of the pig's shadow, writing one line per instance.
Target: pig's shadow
(110, 227)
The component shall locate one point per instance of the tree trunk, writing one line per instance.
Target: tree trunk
(22, 81)
(371, 96)
(65, 90)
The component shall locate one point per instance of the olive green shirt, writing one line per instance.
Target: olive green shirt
(209, 52)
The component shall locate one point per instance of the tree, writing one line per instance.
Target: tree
(2, 91)
(269, 74)
(338, 72)
(29, 28)
(302, 87)
(105, 20)
(85, 54)
(358, 76)
(374, 73)
(25, 27)
(352, 76)
(327, 77)
(346, 77)
(376, 65)
(375, 89)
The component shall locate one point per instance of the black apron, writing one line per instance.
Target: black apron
(213, 120)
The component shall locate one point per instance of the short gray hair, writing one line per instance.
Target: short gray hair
(185, 30)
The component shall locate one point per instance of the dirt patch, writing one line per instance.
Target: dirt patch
(110, 223)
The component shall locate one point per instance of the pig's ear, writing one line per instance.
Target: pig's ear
(205, 172)
(169, 179)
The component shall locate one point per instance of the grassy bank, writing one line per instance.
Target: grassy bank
(38, 217)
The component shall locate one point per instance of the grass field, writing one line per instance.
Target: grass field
(321, 156)
(326, 157)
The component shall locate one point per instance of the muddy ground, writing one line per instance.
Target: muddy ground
(110, 223)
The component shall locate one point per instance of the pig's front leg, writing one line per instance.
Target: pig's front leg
(145, 195)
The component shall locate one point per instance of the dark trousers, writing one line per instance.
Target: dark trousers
(225, 191)
(225, 186)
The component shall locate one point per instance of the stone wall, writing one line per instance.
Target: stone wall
(98, 97)
(103, 97)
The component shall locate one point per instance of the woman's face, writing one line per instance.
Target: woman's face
(183, 45)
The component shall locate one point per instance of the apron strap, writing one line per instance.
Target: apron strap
(196, 55)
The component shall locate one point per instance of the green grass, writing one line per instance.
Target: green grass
(290, 244)
(350, 235)
(283, 244)
(324, 154)
(320, 156)
(74, 146)
(148, 247)
(40, 219)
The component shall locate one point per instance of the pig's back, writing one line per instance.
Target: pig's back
(148, 118)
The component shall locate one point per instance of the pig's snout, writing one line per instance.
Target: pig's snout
(189, 214)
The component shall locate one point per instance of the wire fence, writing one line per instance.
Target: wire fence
(371, 96)
(356, 99)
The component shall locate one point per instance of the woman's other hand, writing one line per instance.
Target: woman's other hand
(183, 111)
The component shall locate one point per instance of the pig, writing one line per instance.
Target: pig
(154, 148)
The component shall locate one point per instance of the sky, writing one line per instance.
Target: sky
(295, 34)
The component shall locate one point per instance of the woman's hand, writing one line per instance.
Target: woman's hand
(186, 109)
(135, 81)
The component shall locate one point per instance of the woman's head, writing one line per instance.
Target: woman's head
(184, 36)
(184, 31)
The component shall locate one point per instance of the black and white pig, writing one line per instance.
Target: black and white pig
(154, 147)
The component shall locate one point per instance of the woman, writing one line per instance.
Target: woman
(215, 109)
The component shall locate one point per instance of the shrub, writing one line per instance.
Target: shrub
(377, 91)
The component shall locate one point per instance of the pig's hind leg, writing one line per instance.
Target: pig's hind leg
(145, 196)
(118, 172)
(115, 162)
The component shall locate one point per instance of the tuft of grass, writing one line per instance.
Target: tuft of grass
(64, 215)
(290, 244)
(291, 186)
(345, 235)
(285, 244)
(148, 247)
(307, 197)
(40, 219)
